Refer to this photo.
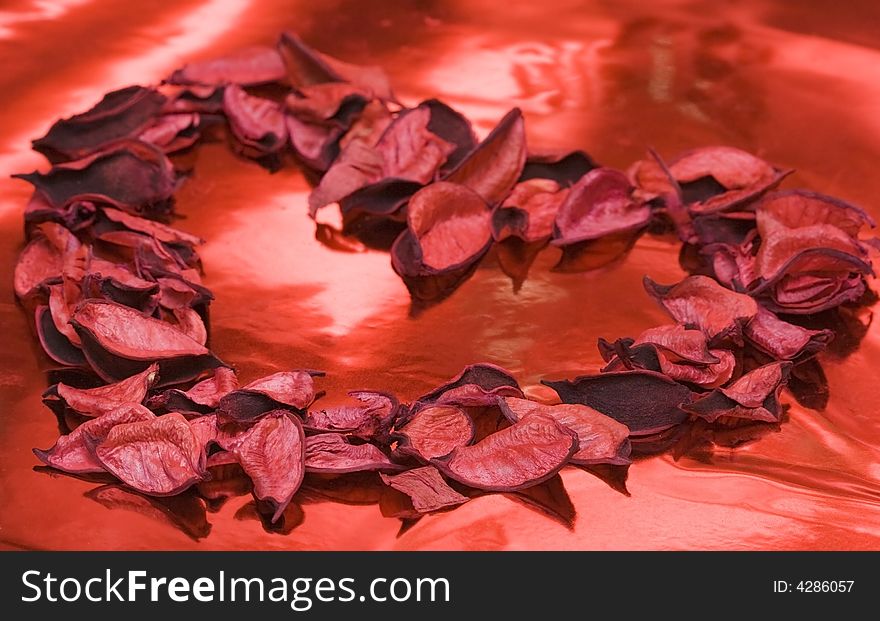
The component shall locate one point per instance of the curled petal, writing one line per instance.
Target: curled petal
(93, 402)
(435, 431)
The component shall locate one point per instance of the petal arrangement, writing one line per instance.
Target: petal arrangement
(116, 294)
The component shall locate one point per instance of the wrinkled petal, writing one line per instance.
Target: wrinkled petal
(74, 452)
(255, 65)
(530, 210)
(702, 302)
(494, 166)
(331, 453)
(120, 114)
(600, 204)
(257, 123)
(272, 454)
(477, 385)
(293, 389)
(119, 341)
(754, 396)
(434, 431)
(159, 457)
(373, 417)
(95, 402)
(601, 439)
(783, 340)
(426, 489)
(202, 398)
(524, 454)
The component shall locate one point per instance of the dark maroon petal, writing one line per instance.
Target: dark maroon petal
(494, 166)
(57, 346)
(134, 174)
(119, 341)
(563, 168)
(702, 302)
(374, 416)
(159, 457)
(293, 389)
(601, 439)
(272, 453)
(120, 114)
(476, 385)
(801, 208)
(426, 489)
(257, 123)
(74, 452)
(94, 402)
(434, 431)
(754, 396)
(783, 340)
(255, 65)
(43, 259)
(524, 454)
(530, 211)
(644, 401)
(598, 205)
(331, 453)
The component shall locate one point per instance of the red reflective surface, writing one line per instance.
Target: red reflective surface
(796, 83)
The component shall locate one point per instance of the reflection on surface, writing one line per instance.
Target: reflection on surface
(614, 78)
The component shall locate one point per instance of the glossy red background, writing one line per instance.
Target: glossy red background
(797, 83)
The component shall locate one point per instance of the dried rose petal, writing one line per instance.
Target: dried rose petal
(293, 389)
(74, 452)
(563, 168)
(434, 431)
(94, 402)
(159, 457)
(43, 259)
(409, 150)
(133, 175)
(173, 132)
(783, 340)
(702, 302)
(684, 344)
(476, 385)
(120, 114)
(601, 439)
(272, 453)
(529, 211)
(331, 453)
(644, 401)
(201, 398)
(754, 396)
(732, 168)
(307, 67)
(365, 421)
(204, 428)
(524, 454)
(598, 205)
(255, 65)
(161, 232)
(119, 341)
(257, 123)
(799, 208)
(426, 489)
(448, 233)
(494, 166)
(57, 346)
